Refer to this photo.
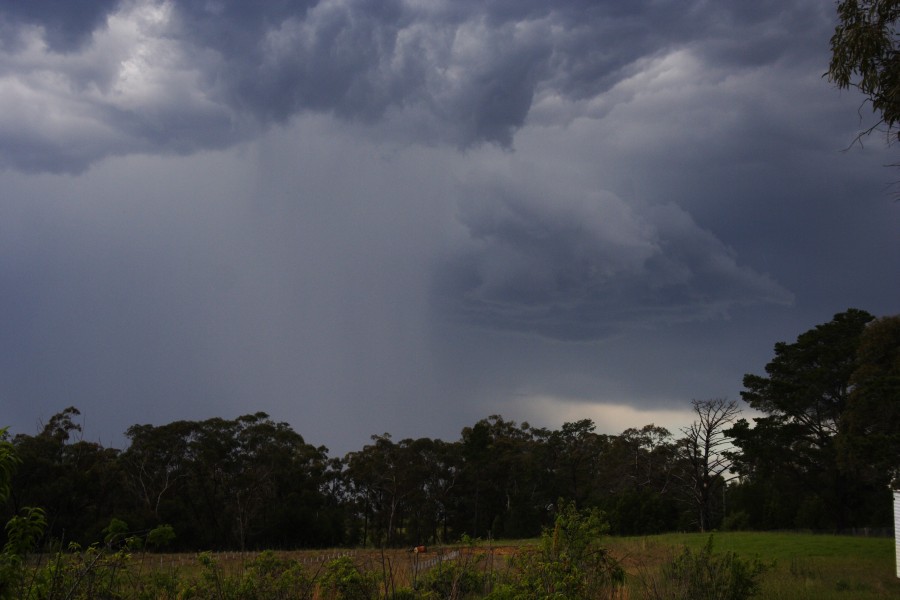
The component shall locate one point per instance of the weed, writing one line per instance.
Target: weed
(343, 580)
(569, 564)
(703, 575)
(453, 581)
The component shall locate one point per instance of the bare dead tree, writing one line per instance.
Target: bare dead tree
(703, 450)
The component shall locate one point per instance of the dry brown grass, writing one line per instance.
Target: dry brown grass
(399, 567)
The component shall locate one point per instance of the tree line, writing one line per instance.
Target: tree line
(820, 457)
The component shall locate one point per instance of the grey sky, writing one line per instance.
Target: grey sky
(404, 216)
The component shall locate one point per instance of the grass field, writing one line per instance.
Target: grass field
(799, 566)
(802, 566)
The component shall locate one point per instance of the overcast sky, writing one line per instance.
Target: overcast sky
(369, 216)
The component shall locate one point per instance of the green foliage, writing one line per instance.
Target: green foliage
(8, 463)
(115, 532)
(22, 534)
(22, 531)
(270, 577)
(247, 482)
(344, 580)
(569, 564)
(158, 585)
(84, 574)
(213, 584)
(160, 537)
(798, 566)
(77, 482)
(865, 54)
(703, 575)
(454, 579)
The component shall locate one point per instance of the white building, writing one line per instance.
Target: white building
(897, 529)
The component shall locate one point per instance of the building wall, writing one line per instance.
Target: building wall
(897, 529)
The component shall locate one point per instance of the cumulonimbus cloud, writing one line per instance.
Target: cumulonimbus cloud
(582, 267)
(81, 81)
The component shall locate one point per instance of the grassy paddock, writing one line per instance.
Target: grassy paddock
(213, 572)
(802, 566)
(400, 567)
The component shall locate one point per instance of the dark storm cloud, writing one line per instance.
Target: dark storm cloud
(579, 268)
(337, 262)
(155, 77)
(66, 25)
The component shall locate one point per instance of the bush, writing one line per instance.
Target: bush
(160, 537)
(453, 580)
(570, 563)
(702, 575)
(158, 586)
(83, 574)
(269, 577)
(343, 580)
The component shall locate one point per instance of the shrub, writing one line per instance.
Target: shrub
(269, 577)
(213, 583)
(115, 532)
(343, 580)
(22, 531)
(453, 580)
(83, 574)
(158, 586)
(160, 537)
(570, 563)
(702, 575)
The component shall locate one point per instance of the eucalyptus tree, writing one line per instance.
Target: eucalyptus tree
(435, 470)
(246, 482)
(211, 466)
(77, 482)
(155, 464)
(865, 55)
(278, 487)
(388, 480)
(579, 453)
(501, 487)
(638, 478)
(650, 456)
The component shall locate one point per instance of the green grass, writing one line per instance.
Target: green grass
(802, 566)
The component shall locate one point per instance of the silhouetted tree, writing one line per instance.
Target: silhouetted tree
(804, 398)
(703, 452)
